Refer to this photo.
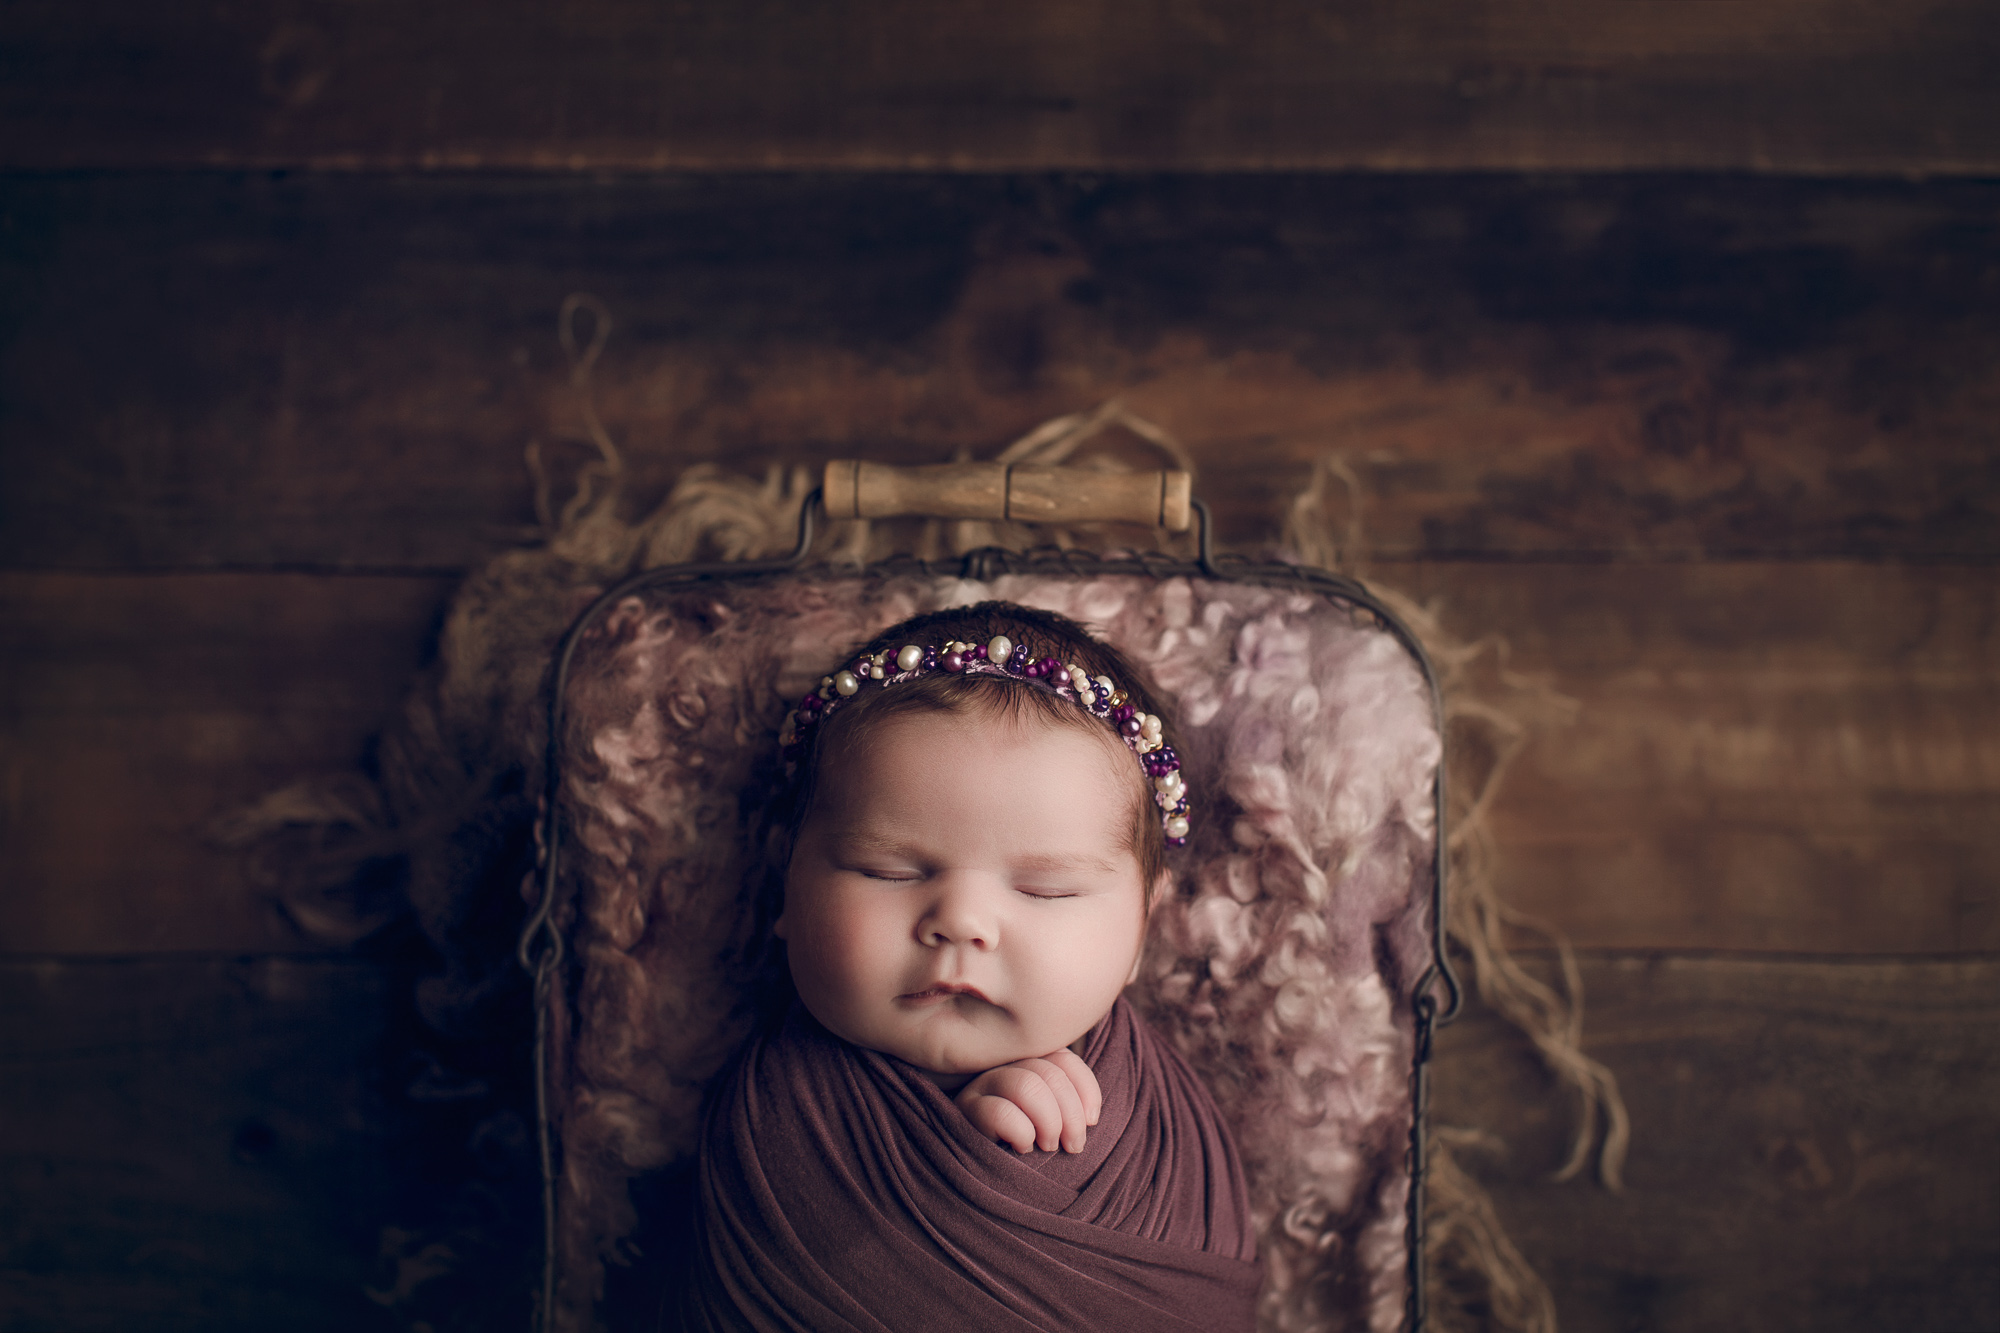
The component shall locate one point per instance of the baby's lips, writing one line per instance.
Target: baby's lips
(945, 989)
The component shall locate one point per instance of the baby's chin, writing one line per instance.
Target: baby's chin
(952, 1067)
(950, 1053)
(947, 1054)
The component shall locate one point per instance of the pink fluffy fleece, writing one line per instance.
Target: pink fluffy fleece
(1282, 968)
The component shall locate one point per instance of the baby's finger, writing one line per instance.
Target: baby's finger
(1002, 1121)
(1075, 1117)
(1028, 1084)
(1040, 1122)
(1083, 1080)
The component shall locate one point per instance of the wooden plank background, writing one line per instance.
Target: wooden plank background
(1813, 1145)
(1713, 453)
(1822, 86)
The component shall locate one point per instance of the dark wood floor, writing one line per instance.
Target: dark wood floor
(1714, 451)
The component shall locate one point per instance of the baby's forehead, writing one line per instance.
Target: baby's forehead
(1077, 746)
(1081, 785)
(1000, 712)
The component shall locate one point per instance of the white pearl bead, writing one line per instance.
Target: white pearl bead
(1168, 783)
(877, 673)
(998, 651)
(1177, 827)
(1149, 727)
(846, 683)
(1086, 697)
(910, 658)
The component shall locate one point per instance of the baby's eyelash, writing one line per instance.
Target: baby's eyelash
(1046, 897)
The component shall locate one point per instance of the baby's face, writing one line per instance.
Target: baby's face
(964, 893)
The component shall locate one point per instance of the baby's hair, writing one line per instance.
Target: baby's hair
(1045, 634)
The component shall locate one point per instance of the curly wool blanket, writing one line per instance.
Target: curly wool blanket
(1281, 968)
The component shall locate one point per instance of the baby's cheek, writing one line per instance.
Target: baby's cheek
(847, 945)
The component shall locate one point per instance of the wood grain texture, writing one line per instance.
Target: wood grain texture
(203, 1143)
(1814, 1146)
(247, 371)
(138, 711)
(1796, 758)
(1821, 86)
(191, 1145)
(1783, 757)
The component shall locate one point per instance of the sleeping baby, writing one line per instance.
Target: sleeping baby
(961, 1124)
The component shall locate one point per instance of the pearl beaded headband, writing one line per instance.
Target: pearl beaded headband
(1001, 656)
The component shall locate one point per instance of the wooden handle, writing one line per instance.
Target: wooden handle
(999, 492)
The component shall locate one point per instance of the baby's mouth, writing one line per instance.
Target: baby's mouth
(940, 992)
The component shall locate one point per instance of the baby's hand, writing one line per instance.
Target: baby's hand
(1035, 1103)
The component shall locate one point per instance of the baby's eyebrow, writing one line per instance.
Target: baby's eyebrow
(1035, 863)
(1048, 862)
(872, 844)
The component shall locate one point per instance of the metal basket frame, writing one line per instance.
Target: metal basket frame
(542, 950)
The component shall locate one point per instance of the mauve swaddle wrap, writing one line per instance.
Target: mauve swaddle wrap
(841, 1189)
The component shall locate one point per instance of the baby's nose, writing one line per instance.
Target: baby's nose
(959, 915)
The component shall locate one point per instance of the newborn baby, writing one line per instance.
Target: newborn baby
(960, 1123)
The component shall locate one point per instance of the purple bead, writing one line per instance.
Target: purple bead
(954, 662)
(1020, 657)
(1059, 677)
(812, 703)
(1128, 725)
(1125, 713)
(977, 652)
